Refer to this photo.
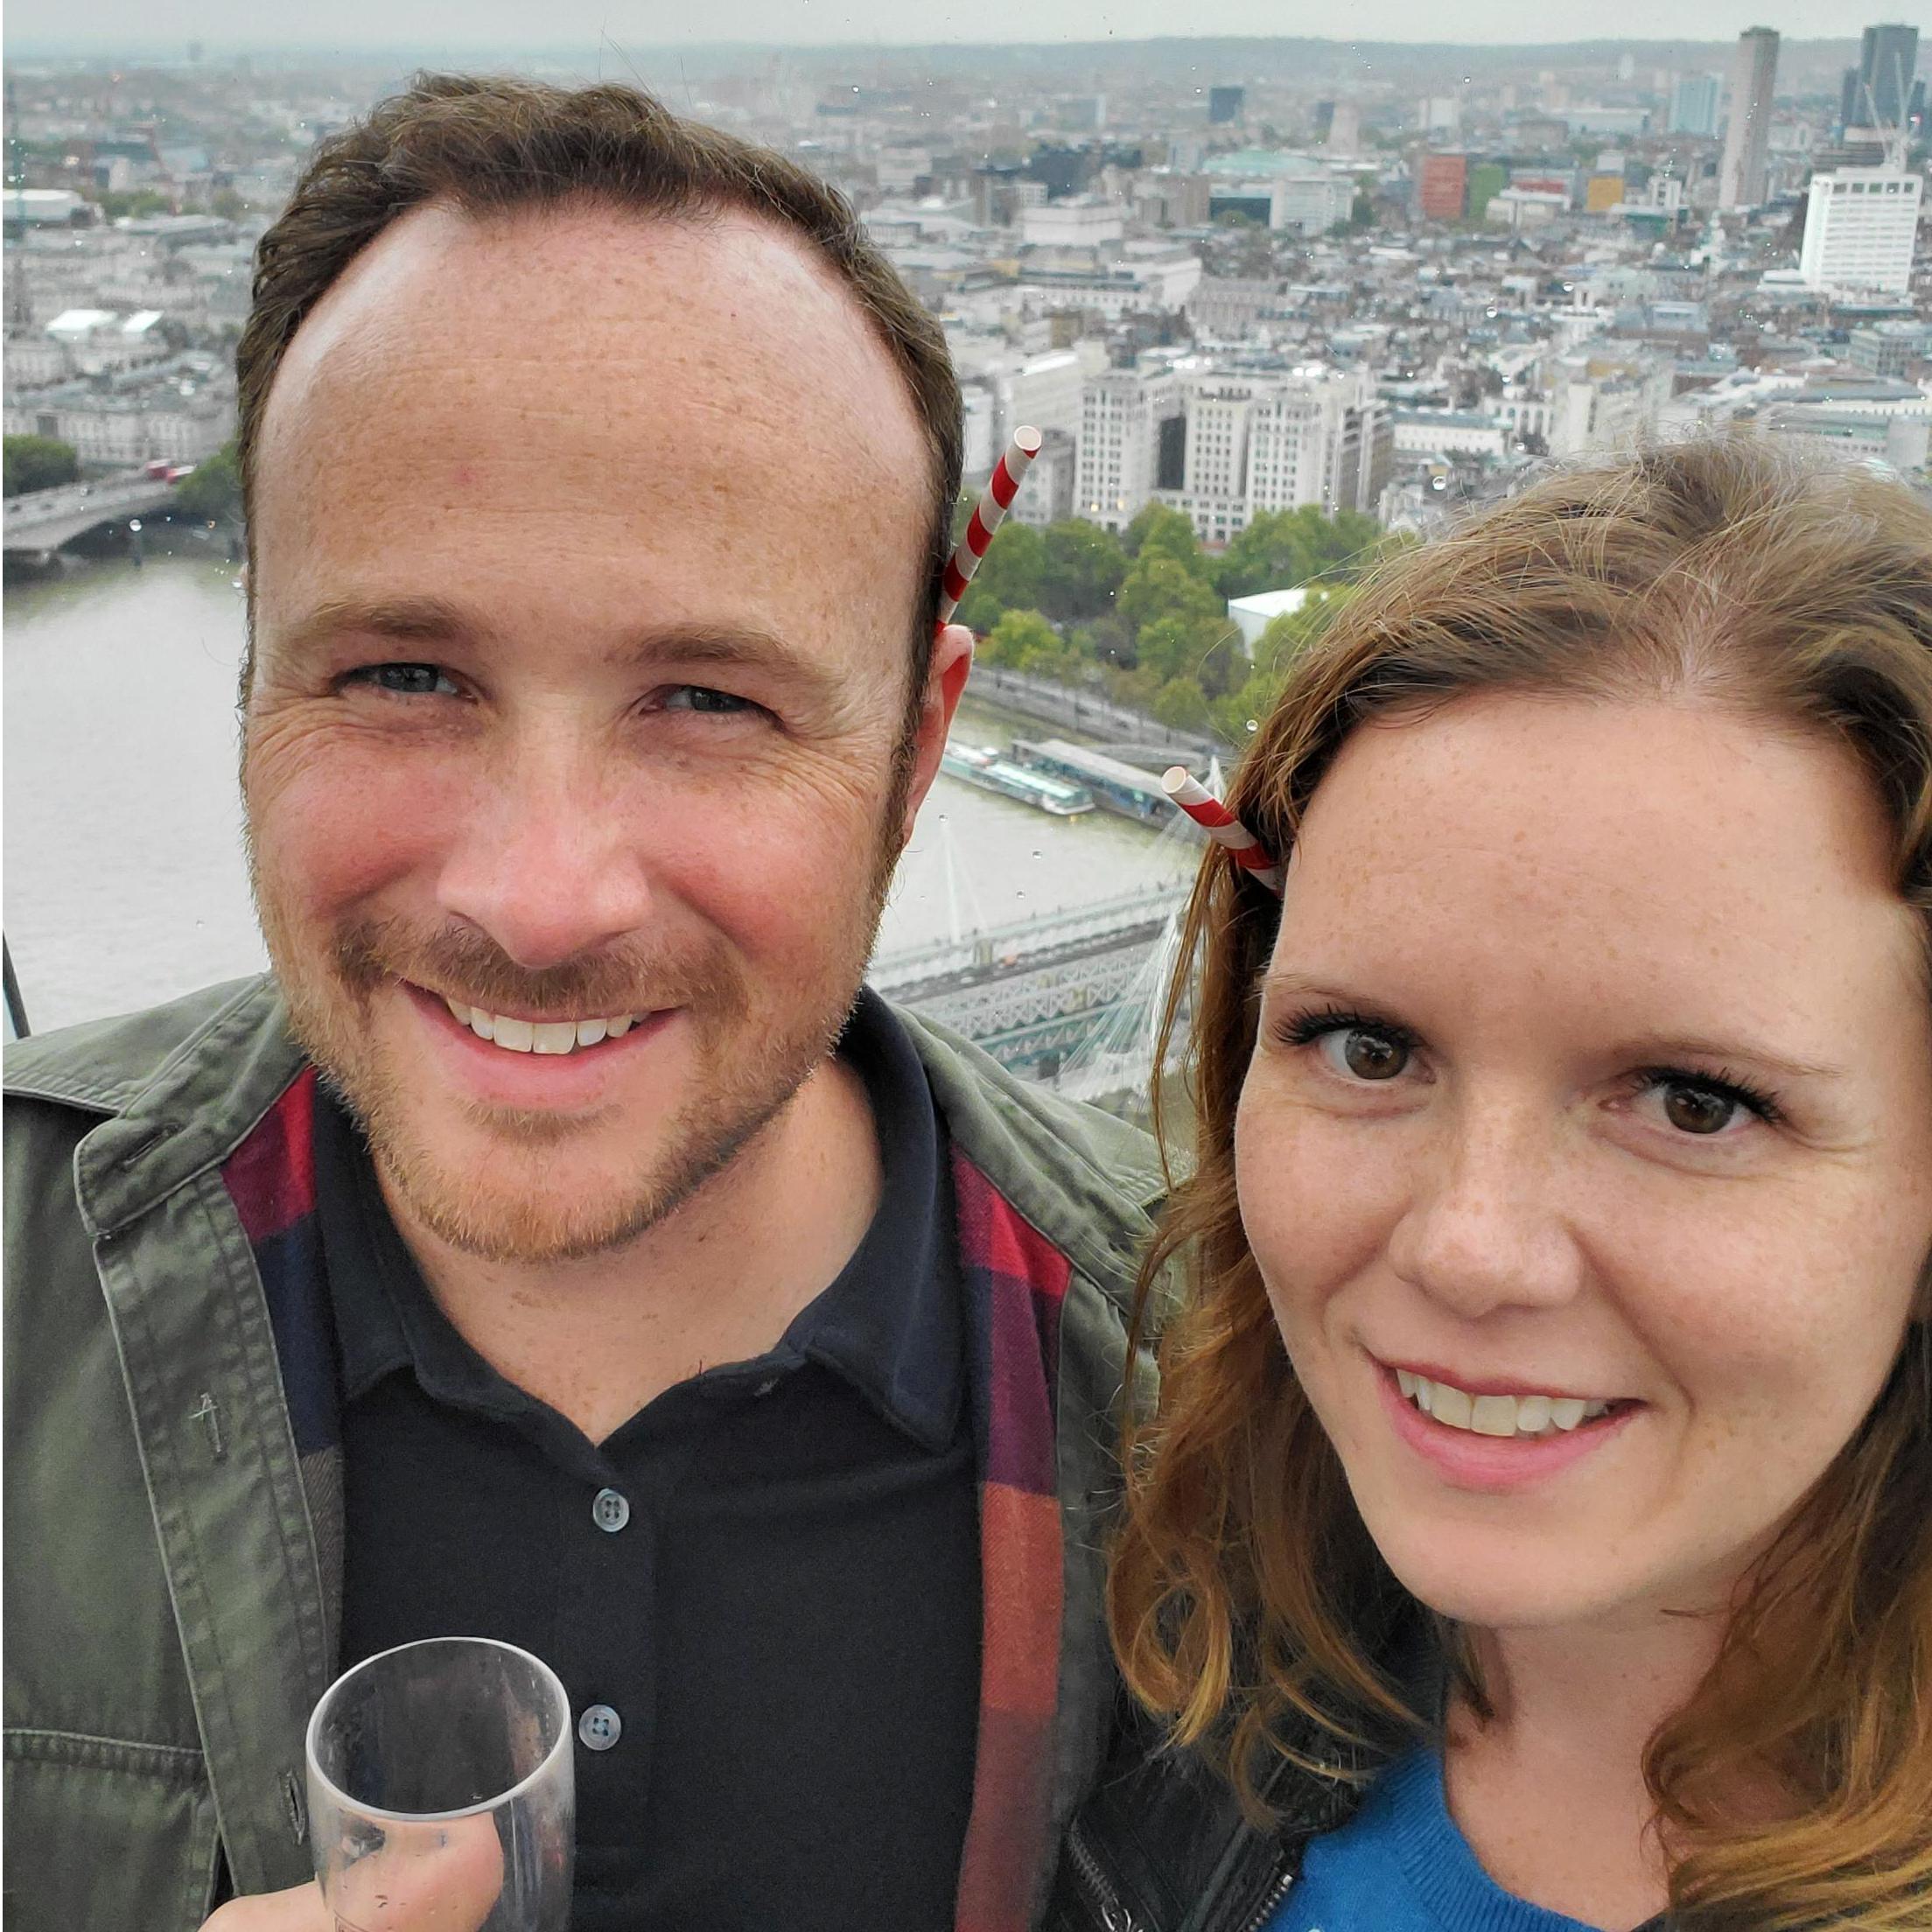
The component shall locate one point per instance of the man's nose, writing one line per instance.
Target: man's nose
(550, 863)
(1487, 1225)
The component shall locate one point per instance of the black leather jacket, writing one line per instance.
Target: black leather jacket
(1162, 1846)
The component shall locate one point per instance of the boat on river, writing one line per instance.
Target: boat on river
(981, 766)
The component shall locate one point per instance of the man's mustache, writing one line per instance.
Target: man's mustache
(464, 963)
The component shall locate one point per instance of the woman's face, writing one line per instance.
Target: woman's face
(1594, 1067)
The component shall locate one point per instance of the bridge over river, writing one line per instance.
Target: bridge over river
(39, 521)
(1071, 997)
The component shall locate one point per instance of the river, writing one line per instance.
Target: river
(124, 882)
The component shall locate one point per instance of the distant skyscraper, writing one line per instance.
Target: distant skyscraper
(1889, 60)
(1754, 78)
(1694, 103)
(1849, 100)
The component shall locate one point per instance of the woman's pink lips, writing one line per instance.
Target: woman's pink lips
(1494, 1464)
(1479, 1385)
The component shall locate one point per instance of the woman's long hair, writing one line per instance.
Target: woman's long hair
(1248, 1603)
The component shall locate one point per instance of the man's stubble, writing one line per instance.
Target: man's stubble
(748, 1067)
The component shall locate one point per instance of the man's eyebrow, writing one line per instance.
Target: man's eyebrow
(412, 618)
(695, 646)
(732, 646)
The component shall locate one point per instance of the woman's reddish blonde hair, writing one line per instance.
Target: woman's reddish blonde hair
(1245, 1593)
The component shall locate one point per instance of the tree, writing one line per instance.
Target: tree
(1284, 548)
(1014, 567)
(1022, 640)
(1106, 640)
(1160, 586)
(39, 462)
(1272, 554)
(212, 488)
(1178, 532)
(1180, 705)
(1082, 568)
(1276, 652)
(116, 203)
(978, 610)
(1184, 647)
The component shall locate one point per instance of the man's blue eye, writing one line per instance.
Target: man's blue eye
(413, 680)
(702, 697)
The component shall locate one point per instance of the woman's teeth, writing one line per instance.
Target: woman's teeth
(539, 1036)
(1498, 1415)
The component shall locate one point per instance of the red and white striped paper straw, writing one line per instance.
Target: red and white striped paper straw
(1220, 825)
(1002, 487)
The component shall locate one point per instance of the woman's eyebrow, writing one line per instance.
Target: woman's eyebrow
(1662, 1048)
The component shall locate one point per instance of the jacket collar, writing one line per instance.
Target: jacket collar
(190, 1115)
(1090, 1185)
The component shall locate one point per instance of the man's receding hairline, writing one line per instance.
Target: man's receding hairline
(697, 216)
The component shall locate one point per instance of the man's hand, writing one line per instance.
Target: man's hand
(426, 1878)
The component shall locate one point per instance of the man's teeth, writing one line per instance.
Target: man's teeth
(539, 1036)
(1498, 1415)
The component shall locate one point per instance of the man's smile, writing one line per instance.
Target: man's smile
(518, 1035)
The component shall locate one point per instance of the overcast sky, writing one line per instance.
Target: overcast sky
(349, 25)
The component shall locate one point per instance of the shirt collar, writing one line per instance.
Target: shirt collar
(891, 1325)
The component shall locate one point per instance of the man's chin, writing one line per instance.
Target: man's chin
(528, 1204)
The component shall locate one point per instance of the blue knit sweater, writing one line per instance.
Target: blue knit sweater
(1400, 1865)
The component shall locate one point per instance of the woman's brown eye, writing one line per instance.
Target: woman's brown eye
(1697, 1110)
(1373, 1056)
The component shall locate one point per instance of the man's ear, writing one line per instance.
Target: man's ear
(951, 664)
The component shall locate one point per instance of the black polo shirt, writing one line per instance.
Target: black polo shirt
(762, 1592)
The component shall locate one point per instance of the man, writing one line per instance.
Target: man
(553, 1249)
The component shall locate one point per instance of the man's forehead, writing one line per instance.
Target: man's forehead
(700, 395)
(716, 325)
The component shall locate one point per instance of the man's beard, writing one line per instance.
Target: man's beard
(748, 1066)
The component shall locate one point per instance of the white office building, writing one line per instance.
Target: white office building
(1073, 224)
(1255, 444)
(1859, 228)
(1278, 191)
(1126, 418)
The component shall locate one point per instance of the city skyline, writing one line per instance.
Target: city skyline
(36, 27)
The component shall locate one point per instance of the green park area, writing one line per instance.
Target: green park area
(1143, 615)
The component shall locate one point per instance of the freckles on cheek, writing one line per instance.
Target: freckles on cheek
(1318, 1206)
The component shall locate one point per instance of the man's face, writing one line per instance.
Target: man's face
(586, 549)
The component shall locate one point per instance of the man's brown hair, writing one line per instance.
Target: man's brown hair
(490, 144)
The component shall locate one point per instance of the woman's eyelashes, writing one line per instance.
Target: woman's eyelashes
(1362, 1049)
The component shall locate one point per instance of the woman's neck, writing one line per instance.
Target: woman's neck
(1549, 1789)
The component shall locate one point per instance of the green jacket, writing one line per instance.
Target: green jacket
(172, 1590)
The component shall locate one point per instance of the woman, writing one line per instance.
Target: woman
(1536, 1526)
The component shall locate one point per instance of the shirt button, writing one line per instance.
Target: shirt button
(611, 1511)
(599, 1727)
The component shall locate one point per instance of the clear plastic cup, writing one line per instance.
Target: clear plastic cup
(441, 1791)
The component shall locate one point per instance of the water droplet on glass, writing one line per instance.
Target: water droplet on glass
(1036, 851)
